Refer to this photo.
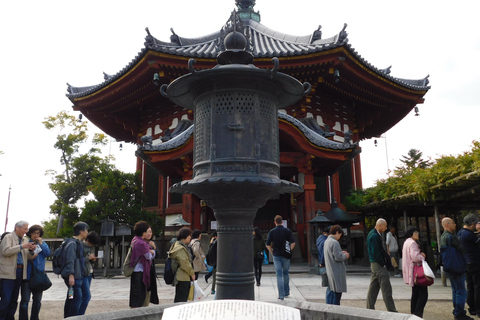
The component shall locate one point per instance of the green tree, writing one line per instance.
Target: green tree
(118, 196)
(70, 185)
(414, 160)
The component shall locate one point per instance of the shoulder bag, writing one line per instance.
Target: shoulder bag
(453, 261)
(39, 281)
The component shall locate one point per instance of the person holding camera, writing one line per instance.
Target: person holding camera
(16, 250)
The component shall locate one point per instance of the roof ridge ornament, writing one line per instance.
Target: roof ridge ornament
(342, 36)
(245, 10)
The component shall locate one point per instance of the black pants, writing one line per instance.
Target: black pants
(473, 287)
(181, 291)
(257, 263)
(419, 300)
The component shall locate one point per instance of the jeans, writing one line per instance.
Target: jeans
(10, 290)
(36, 302)
(72, 305)
(86, 295)
(418, 300)
(380, 280)
(459, 293)
(473, 287)
(282, 265)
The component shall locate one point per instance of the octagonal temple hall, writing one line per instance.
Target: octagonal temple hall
(319, 136)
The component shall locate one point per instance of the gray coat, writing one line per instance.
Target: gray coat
(335, 265)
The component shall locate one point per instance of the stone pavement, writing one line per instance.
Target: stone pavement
(303, 286)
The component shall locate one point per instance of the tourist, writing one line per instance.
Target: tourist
(74, 269)
(457, 281)
(259, 251)
(35, 233)
(335, 265)
(472, 254)
(276, 240)
(152, 292)
(197, 252)
(392, 249)
(185, 273)
(92, 240)
(412, 256)
(15, 251)
(141, 262)
(380, 278)
(321, 257)
(212, 260)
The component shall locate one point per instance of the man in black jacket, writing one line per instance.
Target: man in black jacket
(471, 243)
(74, 269)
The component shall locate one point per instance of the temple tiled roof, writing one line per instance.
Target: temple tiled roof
(263, 43)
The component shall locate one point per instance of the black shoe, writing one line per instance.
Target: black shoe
(206, 279)
(472, 312)
(258, 284)
(463, 317)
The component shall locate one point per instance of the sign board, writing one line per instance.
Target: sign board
(231, 310)
(213, 225)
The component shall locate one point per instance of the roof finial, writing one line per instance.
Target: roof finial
(245, 4)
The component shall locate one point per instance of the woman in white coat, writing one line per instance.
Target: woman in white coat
(335, 265)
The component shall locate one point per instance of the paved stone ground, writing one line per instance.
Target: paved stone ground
(111, 294)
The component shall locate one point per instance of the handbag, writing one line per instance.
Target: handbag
(394, 262)
(265, 258)
(190, 293)
(419, 277)
(260, 255)
(323, 273)
(39, 281)
(453, 261)
(127, 270)
(287, 251)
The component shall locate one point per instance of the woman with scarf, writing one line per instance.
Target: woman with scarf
(180, 255)
(141, 261)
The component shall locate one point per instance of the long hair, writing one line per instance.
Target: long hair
(258, 234)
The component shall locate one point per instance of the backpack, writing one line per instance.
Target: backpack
(212, 254)
(58, 259)
(170, 269)
(168, 274)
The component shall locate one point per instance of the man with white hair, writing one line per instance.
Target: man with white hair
(380, 276)
(15, 250)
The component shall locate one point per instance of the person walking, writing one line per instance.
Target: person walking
(212, 260)
(471, 243)
(185, 273)
(35, 233)
(412, 256)
(92, 240)
(141, 262)
(15, 251)
(380, 278)
(259, 249)
(197, 253)
(276, 244)
(74, 269)
(392, 249)
(457, 281)
(335, 265)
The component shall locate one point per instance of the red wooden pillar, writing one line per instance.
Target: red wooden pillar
(358, 172)
(309, 190)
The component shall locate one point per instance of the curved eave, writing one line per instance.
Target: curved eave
(266, 43)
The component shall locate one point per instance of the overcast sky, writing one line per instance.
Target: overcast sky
(45, 44)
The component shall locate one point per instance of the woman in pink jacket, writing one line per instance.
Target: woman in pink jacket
(412, 256)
